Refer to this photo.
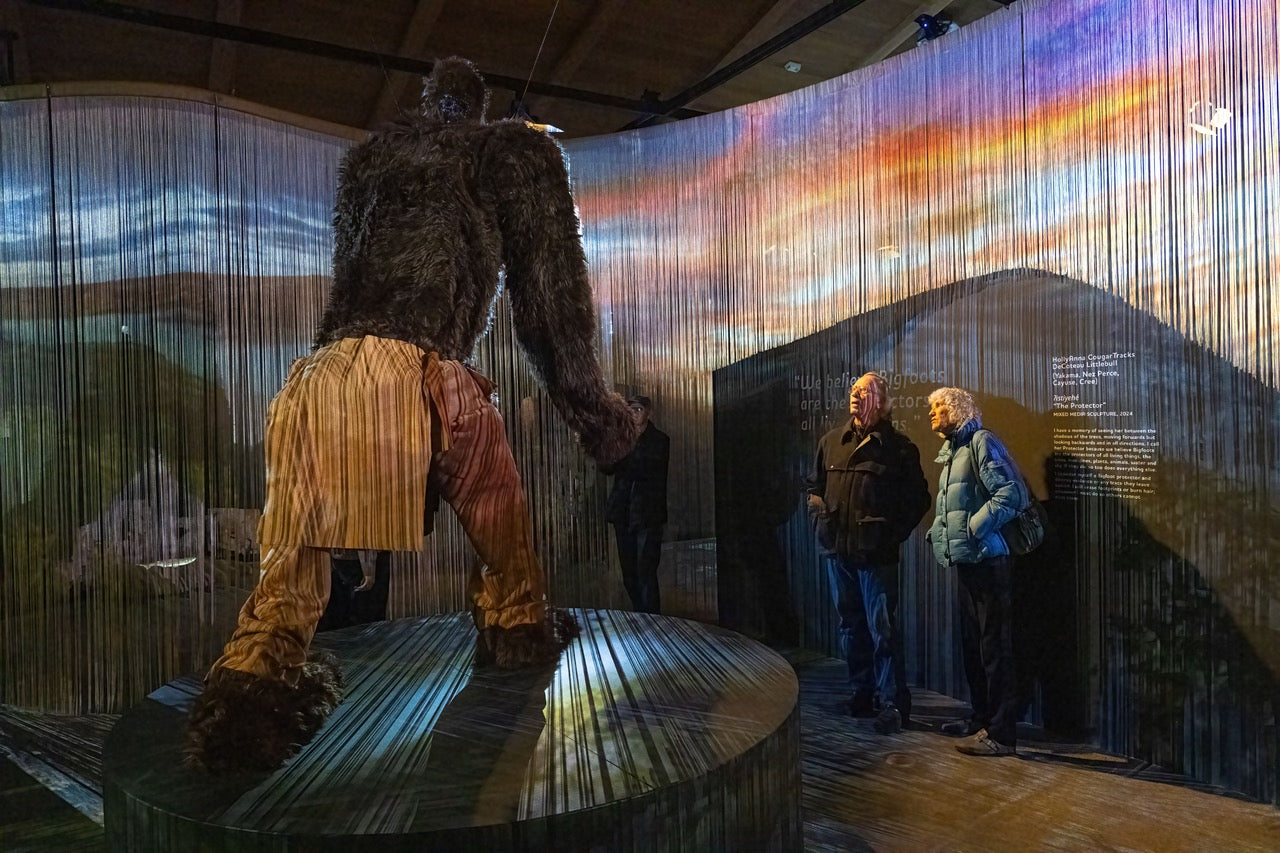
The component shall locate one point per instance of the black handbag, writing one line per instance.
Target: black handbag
(1025, 531)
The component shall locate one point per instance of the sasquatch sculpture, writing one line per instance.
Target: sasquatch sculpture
(430, 214)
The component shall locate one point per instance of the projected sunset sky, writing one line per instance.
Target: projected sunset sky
(1054, 135)
(1071, 151)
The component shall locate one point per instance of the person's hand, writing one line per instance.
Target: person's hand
(368, 568)
(816, 504)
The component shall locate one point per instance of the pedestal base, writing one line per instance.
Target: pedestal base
(651, 733)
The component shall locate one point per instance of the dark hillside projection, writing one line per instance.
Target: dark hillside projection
(1145, 615)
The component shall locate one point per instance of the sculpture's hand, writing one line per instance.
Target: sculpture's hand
(613, 433)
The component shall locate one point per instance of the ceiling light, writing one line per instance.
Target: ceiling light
(792, 66)
(1207, 119)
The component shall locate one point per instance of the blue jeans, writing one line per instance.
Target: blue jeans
(866, 598)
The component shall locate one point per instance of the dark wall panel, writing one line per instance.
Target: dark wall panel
(1143, 618)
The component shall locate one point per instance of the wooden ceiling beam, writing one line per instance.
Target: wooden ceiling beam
(603, 14)
(413, 43)
(11, 21)
(774, 20)
(598, 24)
(330, 50)
(823, 16)
(222, 56)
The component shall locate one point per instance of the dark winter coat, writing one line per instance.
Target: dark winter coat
(428, 213)
(639, 495)
(968, 516)
(874, 490)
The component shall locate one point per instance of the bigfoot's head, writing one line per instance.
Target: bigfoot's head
(454, 92)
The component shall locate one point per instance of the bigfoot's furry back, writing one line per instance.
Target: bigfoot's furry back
(430, 210)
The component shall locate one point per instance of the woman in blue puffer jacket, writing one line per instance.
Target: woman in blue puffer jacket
(979, 491)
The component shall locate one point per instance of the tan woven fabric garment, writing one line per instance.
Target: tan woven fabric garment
(349, 442)
(348, 447)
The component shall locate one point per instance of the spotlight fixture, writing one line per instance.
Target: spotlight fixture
(1207, 119)
(933, 26)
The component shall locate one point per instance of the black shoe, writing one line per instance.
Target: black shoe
(960, 728)
(888, 721)
(858, 706)
(903, 704)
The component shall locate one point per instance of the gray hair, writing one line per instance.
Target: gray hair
(877, 379)
(881, 384)
(964, 409)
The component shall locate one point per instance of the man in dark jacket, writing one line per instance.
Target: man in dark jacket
(868, 492)
(637, 508)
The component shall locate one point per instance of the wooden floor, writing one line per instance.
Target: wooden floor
(914, 791)
(862, 791)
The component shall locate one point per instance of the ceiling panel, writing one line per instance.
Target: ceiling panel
(620, 48)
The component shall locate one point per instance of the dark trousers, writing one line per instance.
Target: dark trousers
(639, 550)
(348, 607)
(986, 640)
(866, 598)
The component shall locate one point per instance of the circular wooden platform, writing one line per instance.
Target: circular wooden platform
(651, 733)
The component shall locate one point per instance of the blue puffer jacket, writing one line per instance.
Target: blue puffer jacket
(966, 525)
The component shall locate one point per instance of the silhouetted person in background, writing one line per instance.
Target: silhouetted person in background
(979, 490)
(867, 494)
(637, 508)
(358, 588)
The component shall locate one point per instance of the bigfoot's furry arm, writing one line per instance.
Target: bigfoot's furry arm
(546, 277)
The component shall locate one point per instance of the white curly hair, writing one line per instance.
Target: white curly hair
(964, 409)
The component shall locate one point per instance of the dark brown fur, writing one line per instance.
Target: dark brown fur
(431, 211)
(526, 645)
(454, 91)
(242, 722)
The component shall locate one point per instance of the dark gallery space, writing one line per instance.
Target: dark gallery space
(825, 425)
